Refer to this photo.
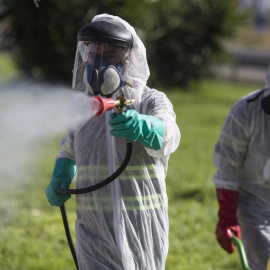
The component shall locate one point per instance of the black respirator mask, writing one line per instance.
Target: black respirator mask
(102, 52)
(265, 101)
(103, 76)
(266, 104)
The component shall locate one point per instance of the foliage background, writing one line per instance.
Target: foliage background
(182, 37)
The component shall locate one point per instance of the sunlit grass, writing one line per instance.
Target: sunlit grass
(192, 199)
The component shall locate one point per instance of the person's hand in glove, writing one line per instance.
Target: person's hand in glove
(63, 174)
(227, 223)
(133, 126)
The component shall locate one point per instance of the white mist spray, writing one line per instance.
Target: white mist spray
(32, 112)
(81, 110)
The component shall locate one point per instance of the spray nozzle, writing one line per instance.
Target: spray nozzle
(106, 104)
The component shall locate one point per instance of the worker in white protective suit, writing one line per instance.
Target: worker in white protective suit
(242, 180)
(123, 225)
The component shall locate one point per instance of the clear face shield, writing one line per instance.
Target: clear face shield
(98, 68)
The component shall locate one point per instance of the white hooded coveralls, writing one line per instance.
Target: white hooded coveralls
(242, 158)
(123, 225)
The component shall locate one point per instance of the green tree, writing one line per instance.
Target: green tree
(188, 36)
(181, 36)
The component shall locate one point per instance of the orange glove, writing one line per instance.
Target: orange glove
(227, 223)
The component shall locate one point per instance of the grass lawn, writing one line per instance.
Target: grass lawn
(192, 198)
(32, 235)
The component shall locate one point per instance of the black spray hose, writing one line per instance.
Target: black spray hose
(86, 190)
(103, 182)
(68, 234)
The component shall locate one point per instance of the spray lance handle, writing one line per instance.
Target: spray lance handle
(106, 104)
(238, 243)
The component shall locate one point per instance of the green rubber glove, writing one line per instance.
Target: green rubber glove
(63, 173)
(133, 126)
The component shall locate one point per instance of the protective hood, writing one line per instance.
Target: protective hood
(137, 70)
